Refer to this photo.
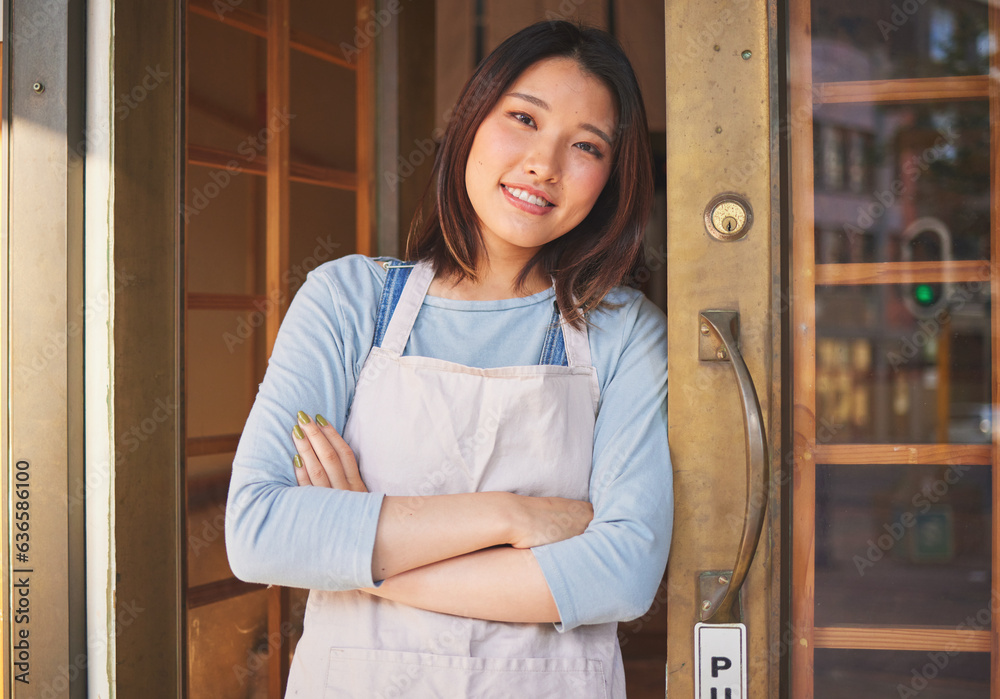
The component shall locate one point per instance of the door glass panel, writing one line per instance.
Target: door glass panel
(900, 544)
(892, 368)
(877, 674)
(865, 40)
(902, 181)
(893, 130)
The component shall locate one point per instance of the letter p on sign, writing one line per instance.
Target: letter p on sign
(720, 657)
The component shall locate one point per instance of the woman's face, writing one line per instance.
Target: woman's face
(541, 157)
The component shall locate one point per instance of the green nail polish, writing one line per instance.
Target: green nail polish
(297, 461)
(321, 421)
(303, 418)
(297, 431)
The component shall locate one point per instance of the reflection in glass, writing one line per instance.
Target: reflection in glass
(228, 648)
(864, 40)
(905, 544)
(878, 674)
(882, 168)
(832, 166)
(892, 370)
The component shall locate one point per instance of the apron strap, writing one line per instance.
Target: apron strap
(577, 345)
(565, 345)
(554, 346)
(396, 274)
(410, 299)
(403, 294)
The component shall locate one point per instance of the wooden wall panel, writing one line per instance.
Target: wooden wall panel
(638, 24)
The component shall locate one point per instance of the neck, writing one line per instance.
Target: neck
(497, 280)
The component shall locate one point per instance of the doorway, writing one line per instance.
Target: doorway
(304, 143)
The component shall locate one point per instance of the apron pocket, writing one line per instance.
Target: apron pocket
(358, 673)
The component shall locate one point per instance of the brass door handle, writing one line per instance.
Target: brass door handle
(719, 343)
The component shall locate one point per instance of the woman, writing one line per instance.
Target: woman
(501, 496)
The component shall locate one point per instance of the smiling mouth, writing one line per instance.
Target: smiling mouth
(526, 196)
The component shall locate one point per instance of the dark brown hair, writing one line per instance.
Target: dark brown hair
(603, 250)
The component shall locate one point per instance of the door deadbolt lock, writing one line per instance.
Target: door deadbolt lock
(728, 217)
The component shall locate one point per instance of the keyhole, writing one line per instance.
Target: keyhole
(727, 217)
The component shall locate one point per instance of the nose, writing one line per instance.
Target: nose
(543, 161)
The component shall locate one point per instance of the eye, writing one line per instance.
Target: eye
(590, 148)
(525, 119)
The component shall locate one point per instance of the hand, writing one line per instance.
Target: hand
(539, 521)
(324, 459)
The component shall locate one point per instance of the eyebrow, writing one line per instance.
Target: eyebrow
(545, 105)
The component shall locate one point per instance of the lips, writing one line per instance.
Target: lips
(526, 195)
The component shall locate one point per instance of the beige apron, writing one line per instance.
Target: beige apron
(423, 426)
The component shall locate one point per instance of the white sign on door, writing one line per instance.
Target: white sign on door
(720, 660)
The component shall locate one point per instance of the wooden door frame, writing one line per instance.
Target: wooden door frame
(108, 284)
(146, 500)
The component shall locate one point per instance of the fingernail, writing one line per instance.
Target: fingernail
(321, 421)
(297, 460)
(303, 418)
(297, 431)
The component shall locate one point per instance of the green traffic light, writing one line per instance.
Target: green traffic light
(924, 294)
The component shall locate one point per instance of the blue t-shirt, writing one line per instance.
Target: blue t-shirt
(321, 538)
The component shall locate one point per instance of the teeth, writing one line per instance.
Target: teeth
(525, 196)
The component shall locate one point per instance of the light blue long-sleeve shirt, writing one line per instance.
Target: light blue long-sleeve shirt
(321, 538)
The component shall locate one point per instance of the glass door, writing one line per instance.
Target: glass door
(893, 123)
